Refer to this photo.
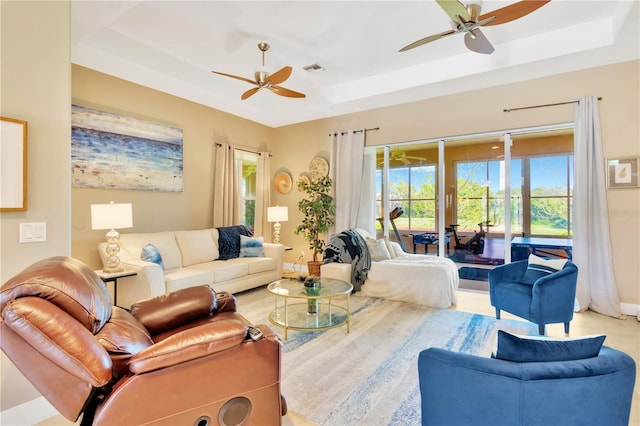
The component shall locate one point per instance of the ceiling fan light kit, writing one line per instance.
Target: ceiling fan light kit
(468, 20)
(264, 80)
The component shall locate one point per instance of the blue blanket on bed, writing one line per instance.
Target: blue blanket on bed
(350, 247)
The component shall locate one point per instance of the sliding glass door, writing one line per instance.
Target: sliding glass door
(411, 198)
(478, 191)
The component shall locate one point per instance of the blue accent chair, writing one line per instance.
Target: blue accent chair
(461, 389)
(550, 300)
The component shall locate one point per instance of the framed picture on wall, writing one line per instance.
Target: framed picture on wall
(114, 151)
(622, 173)
(13, 165)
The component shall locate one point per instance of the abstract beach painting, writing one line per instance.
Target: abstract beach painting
(112, 151)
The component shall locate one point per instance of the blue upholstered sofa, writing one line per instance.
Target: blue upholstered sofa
(461, 389)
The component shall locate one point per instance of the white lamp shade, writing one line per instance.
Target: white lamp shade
(277, 214)
(111, 216)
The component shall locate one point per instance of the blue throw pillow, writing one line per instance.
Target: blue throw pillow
(539, 267)
(229, 240)
(251, 247)
(150, 253)
(544, 349)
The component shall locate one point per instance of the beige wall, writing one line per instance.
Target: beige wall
(35, 86)
(157, 211)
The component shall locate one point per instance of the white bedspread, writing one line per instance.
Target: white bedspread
(414, 278)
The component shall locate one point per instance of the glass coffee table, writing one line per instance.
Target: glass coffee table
(310, 308)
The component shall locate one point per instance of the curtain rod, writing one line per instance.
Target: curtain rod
(543, 106)
(244, 150)
(355, 131)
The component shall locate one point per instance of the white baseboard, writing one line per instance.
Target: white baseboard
(28, 413)
(630, 309)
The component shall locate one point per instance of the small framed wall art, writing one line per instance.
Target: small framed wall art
(13, 165)
(622, 173)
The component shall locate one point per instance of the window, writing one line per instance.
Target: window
(480, 195)
(541, 195)
(412, 187)
(247, 164)
(551, 198)
(473, 168)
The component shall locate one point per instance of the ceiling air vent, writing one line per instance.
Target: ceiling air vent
(313, 68)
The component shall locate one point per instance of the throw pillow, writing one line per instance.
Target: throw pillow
(378, 249)
(150, 253)
(539, 267)
(251, 247)
(516, 348)
(229, 240)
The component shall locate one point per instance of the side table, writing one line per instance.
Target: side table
(113, 277)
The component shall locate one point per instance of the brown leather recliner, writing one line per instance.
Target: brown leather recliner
(180, 359)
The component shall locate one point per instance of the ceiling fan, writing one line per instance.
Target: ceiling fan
(264, 80)
(402, 157)
(468, 20)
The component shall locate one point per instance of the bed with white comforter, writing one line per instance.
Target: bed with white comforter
(414, 278)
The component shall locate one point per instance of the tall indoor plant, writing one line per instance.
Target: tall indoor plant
(319, 212)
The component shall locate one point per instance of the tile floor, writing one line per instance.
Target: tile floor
(622, 334)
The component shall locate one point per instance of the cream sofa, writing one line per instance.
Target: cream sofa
(190, 258)
(414, 278)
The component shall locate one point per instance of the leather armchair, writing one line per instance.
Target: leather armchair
(550, 300)
(182, 358)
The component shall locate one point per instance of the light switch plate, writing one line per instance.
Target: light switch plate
(33, 232)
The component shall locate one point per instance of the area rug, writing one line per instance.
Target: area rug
(476, 274)
(370, 376)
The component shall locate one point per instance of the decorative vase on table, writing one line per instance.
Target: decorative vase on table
(312, 288)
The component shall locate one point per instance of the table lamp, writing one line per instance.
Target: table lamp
(277, 214)
(111, 216)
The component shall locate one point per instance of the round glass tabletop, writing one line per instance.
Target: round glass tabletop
(328, 287)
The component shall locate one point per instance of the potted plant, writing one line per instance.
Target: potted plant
(319, 212)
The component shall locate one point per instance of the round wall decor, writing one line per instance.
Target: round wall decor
(283, 182)
(319, 167)
(302, 178)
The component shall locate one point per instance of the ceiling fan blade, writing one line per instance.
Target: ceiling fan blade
(404, 160)
(479, 43)
(234, 76)
(513, 11)
(454, 8)
(280, 76)
(250, 92)
(426, 40)
(286, 92)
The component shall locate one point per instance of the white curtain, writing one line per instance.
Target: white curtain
(591, 242)
(225, 187)
(347, 158)
(367, 209)
(263, 196)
